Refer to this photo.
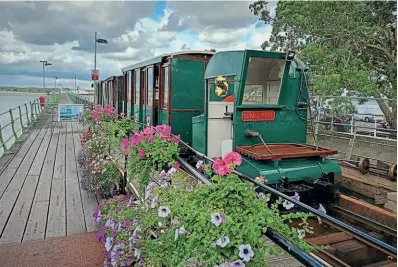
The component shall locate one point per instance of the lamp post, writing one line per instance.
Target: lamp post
(45, 63)
(75, 81)
(101, 41)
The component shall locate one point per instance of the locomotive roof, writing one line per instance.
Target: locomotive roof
(230, 63)
(159, 58)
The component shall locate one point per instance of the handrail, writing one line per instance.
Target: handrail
(78, 99)
(17, 121)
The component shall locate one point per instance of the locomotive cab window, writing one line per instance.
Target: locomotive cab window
(263, 81)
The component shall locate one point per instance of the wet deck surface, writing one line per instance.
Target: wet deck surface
(40, 194)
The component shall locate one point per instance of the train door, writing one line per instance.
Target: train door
(120, 95)
(164, 94)
(137, 94)
(155, 109)
(144, 96)
(129, 105)
(149, 106)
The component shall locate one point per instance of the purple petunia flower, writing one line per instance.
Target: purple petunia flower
(137, 253)
(154, 203)
(171, 171)
(261, 195)
(165, 185)
(148, 194)
(237, 263)
(127, 223)
(199, 164)
(101, 235)
(223, 241)
(180, 231)
(245, 252)
(217, 218)
(163, 211)
(133, 203)
(162, 175)
(108, 243)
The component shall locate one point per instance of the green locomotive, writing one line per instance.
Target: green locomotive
(252, 102)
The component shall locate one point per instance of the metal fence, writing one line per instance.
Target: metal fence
(15, 121)
(355, 126)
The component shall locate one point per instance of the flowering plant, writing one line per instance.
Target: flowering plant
(120, 129)
(101, 178)
(85, 136)
(220, 224)
(106, 113)
(151, 149)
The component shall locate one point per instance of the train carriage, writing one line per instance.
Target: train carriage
(167, 89)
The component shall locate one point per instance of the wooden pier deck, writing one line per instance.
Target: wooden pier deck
(40, 194)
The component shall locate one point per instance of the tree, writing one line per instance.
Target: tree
(348, 44)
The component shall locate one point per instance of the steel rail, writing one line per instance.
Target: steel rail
(376, 225)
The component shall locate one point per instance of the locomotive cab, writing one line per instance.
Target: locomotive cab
(256, 105)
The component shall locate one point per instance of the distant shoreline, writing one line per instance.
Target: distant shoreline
(19, 92)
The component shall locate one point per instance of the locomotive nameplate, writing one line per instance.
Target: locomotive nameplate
(258, 115)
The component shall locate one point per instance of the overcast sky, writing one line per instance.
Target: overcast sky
(63, 34)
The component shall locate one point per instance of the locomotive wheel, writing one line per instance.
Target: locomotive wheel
(392, 172)
(364, 165)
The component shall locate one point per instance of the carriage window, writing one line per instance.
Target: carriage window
(166, 88)
(263, 81)
(150, 86)
(137, 86)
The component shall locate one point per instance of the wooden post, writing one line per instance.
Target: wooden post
(27, 114)
(2, 141)
(12, 125)
(20, 119)
(31, 111)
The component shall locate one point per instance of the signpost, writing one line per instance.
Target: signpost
(94, 75)
(69, 112)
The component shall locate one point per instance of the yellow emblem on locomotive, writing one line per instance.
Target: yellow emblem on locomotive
(221, 86)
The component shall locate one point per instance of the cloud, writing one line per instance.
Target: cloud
(63, 34)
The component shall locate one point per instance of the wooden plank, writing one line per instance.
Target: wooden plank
(36, 227)
(14, 188)
(56, 221)
(16, 161)
(12, 167)
(329, 239)
(74, 207)
(89, 202)
(15, 227)
(5, 179)
(16, 224)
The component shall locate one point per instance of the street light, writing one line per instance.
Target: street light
(101, 41)
(45, 63)
(75, 81)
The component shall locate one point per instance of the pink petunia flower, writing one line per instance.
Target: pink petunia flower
(233, 157)
(141, 153)
(125, 142)
(176, 139)
(95, 116)
(177, 165)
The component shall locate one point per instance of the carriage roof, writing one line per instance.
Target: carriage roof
(158, 59)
